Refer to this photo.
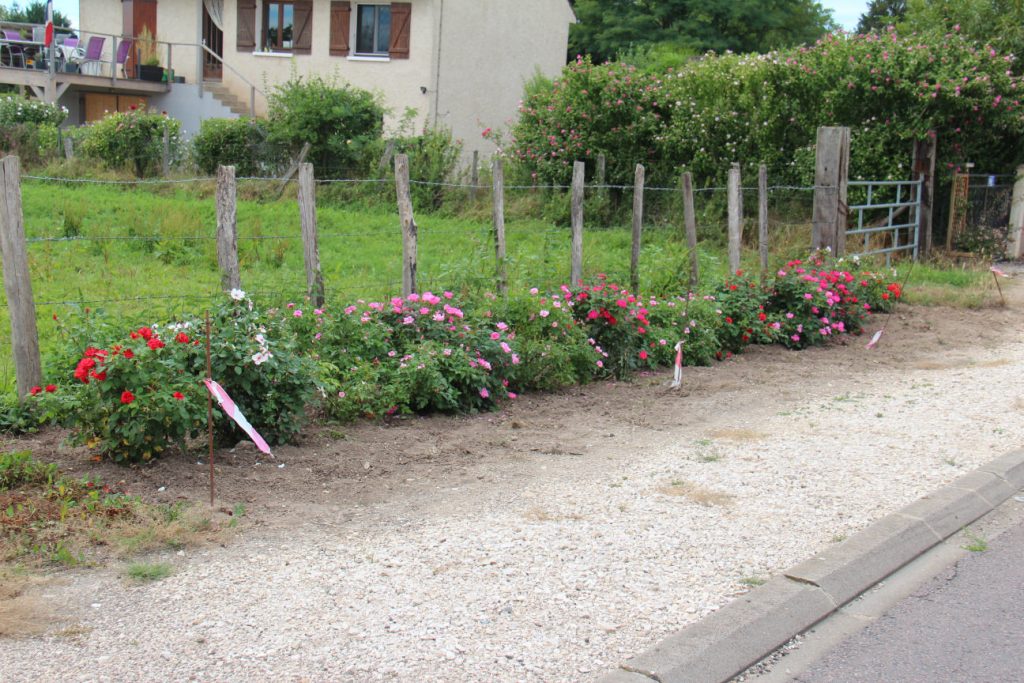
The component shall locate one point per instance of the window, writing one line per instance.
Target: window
(373, 29)
(278, 25)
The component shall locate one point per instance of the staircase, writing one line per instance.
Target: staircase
(226, 97)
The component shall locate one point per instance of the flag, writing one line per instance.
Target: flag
(229, 407)
(48, 40)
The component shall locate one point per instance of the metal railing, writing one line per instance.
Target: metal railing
(880, 219)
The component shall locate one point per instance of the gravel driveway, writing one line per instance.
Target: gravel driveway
(644, 511)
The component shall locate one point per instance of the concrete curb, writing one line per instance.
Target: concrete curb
(728, 641)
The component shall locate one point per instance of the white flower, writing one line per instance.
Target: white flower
(261, 357)
(237, 294)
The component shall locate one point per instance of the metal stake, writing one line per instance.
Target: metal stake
(209, 404)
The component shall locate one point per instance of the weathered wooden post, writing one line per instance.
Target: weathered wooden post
(227, 228)
(498, 215)
(762, 216)
(638, 226)
(28, 367)
(310, 245)
(959, 194)
(69, 148)
(576, 269)
(1016, 247)
(735, 217)
(165, 157)
(474, 175)
(408, 224)
(690, 217)
(832, 162)
(924, 169)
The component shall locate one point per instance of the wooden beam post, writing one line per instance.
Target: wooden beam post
(762, 217)
(735, 218)
(601, 170)
(958, 194)
(576, 269)
(165, 157)
(409, 229)
(832, 162)
(310, 244)
(638, 226)
(690, 217)
(474, 175)
(498, 215)
(28, 367)
(69, 148)
(227, 228)
(923, 167)
(1016, 246)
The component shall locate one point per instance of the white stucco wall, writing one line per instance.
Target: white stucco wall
(102, 17)
(489, 50)
(398, 81)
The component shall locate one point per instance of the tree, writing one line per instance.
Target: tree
(607, 27)
(882, 13)
(33, 13)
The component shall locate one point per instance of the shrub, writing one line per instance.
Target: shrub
(419, 354)
(15, 110)
(234, 142)
(132, 139)
(340, 122)
(144, 394)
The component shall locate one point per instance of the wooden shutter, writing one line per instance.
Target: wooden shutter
(401, 14)
(246, 36)
(341, 25)
(303, 30)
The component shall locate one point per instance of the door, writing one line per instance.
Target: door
(213, 38)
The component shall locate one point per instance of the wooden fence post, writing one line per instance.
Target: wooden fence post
(600, 172)
(959, 193)
(1016, 248)
(638, 226)
(227, 228)
(762, 216)
(578, 179)
(310, 246)
(408, 224)
(165, 158)
(735, 218)
(28, 367)
(690, 217)
(474, 175)
(832, 162)
(924, 168)
(69, 148)
(498, 214)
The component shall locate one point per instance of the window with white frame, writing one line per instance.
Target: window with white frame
(373, 29)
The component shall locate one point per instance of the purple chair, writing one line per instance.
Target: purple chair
(124, 48)
(93, 53)
(14, 51)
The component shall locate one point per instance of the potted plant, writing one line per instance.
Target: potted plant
(149, 66)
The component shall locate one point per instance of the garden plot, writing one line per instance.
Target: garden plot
(549, 541)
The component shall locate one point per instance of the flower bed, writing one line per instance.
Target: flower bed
(133, 396)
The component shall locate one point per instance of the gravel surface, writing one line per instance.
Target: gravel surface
(559, 563)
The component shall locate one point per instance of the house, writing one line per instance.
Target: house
(458, 63)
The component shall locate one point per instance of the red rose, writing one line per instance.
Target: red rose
(762, 317)
(643, 355)
(129, 354)
(145, 333)
(98, 376)
(50, 388)
(35, 390)
(155, 344)
(728, 320)
(127, 397)
(182, 338)
(178, 395)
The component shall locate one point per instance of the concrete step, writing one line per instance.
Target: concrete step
(226, 97)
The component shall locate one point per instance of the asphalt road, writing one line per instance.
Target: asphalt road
(964, 626)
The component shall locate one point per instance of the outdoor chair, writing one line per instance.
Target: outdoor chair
(14, 52)
(93, 55)
(124, 48)
(70, 52)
